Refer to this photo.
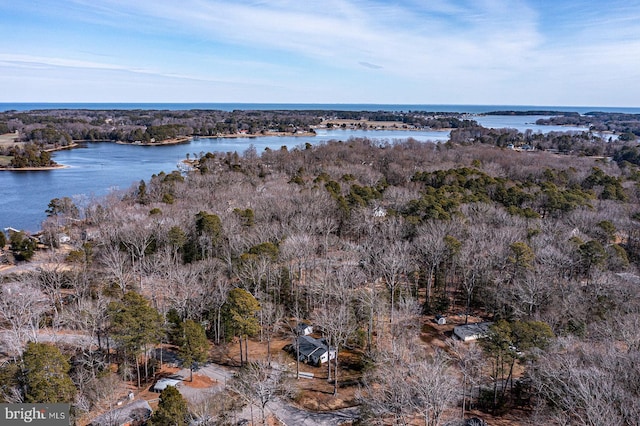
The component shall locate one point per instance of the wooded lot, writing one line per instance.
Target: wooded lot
(368, 242)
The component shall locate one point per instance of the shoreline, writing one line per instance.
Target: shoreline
(346, 124)
(257, 135)
(72, 145)
(34, 169)
(56, 166)
(175, 141)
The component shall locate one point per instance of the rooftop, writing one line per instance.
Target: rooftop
(472, 331)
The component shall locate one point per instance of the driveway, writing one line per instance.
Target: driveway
(293, 416)
(215, 372)
(285, 412)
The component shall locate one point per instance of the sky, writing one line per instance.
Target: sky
(472, 52)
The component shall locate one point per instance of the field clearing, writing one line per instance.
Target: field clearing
(8, 139)
(368, 123)
(5, 160)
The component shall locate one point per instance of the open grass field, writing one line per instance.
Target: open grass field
(367, 123)
(7, 139)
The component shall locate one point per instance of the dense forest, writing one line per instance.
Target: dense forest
(369, 242)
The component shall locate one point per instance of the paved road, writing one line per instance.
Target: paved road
(20, 268)
(213, 371)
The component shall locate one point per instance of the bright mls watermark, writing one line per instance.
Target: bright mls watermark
(36, 414)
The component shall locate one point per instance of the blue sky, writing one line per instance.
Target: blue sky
(530, 52)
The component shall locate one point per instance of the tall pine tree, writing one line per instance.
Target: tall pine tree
(45, 375)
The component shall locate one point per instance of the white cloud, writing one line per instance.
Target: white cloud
(423, 51)
(340, 30)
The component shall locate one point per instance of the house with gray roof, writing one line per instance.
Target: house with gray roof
(313, 351)
(470, 332)
(163, 383)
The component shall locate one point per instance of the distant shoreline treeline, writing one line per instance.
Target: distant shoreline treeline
(46, 130)
(61, 126)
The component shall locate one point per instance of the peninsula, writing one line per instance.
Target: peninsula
(28, 137)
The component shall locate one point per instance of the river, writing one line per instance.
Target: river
(100, 167)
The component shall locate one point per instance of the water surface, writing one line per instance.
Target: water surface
(100, 167)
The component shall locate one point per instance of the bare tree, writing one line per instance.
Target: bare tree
(530, 293)
(401, 389)
(339, 324)
(252, 272)
(51, 278)
(214, 407)
(586, 385)
(474, 260)
(434, 386)
(271, 316)
(259, 384)
(21, 307)
(469, 358)
(299, 250)
(137, 238)
(432, 251)
(390, 261)
(89, 316)
(103, 392)
(370, 308)
(118, 265)
(386, 393)
(627, 328)
(405, 328)
(219, 289)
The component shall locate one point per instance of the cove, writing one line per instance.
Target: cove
(97, 168)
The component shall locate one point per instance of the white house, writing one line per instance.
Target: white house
(304, 329)
(379, 212)
(164, 382)
(470, 332)
(313, 351)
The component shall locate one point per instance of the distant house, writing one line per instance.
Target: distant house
(304, 329)
(313, 351)
(475, 422)
(164, 382)
(470, 332)
(11, 230)
(135, 413)
(440, 320)
(380, 212)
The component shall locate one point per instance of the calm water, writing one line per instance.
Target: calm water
(99, 168)
(521, 123)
